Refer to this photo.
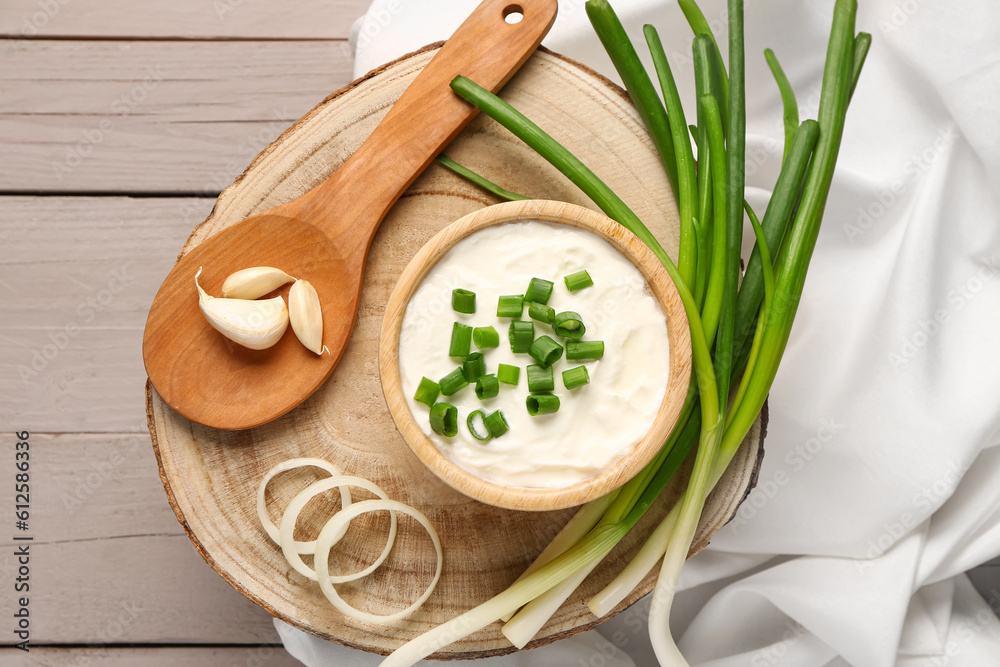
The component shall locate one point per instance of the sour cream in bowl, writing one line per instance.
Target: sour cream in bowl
(604, 405)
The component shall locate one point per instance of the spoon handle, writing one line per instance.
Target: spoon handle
(350, 205)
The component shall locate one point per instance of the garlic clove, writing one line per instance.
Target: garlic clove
(253, 324)
(306, 315)
(254, 282)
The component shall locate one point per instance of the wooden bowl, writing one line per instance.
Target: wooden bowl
(526, 498)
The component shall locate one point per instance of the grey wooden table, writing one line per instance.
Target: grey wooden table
(120, 122)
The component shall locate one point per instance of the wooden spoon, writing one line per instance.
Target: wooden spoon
(323, 236)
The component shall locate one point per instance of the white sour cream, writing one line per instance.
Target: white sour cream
(597, 424)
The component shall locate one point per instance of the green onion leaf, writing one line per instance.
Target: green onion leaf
(545, 351)
(485, 337)
(521, 335)
(427, 392)
(538, 291)
(540, 378)
(472, 427)
(461, 340)
(541, 312)
(444, 419)
(487, 386)
(463, 301)
(481, 181)
(569, 325)
(575, 377)
(542, 404)
(497, 424)
(474, 366)
(577, 281)
(585, 349)
(453, 381)
(510, 306)
(508, 374)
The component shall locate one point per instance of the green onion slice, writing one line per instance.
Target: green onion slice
(539, 291)
(474, 366)
(508, 374)
(485, 337)
(472, 427)
(540, 378)
(453, 381)
(577, 281)
(461, 340)
(585, 349)
(496, 423)
(569, 325)
(575, 377)
(545, 351)
(521, 335)
(487, 386)
(427, 391)
(541, 312)
(463, 301)
(444, 419)
(542, 404)
(510, 306)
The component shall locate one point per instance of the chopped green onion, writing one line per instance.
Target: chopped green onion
(481, 181)
(496, 423)
(427, 392)
(540, 378)
(485, 337)
(542, 404)
(487, 386)
(569, 325)
(545, 351)
(463, 301)
(461, 340)
(575, 377)
(539, 291)
(521, 335)
(472, 428)
(508, 374)
(510, 306)
(444, 419)
(585, 349)
(474, 366)
(577, 281)
(541, 312)
(453, 381)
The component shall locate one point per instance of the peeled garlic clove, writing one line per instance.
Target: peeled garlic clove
(254, 324)
(306, 315)
(254, 282)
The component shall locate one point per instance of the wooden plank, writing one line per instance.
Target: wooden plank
(109, 562)
(173, 117)
(301, 19)
(245, 656)
(77, 276)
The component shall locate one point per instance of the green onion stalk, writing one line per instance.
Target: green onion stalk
(748, 327)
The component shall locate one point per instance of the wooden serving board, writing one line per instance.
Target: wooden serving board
(211, 476)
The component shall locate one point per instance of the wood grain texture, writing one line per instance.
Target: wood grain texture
(95, 116)
(222, 656)
(182, 19)
(323, 236)
(658, 282)
(211, 475)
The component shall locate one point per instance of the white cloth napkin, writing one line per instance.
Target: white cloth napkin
(879, 487)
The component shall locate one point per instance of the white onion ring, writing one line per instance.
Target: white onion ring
(328, 537)
(306, 548)
(291, 516)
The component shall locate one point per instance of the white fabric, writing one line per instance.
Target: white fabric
(879, 487)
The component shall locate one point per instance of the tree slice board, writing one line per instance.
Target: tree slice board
(211, 476)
